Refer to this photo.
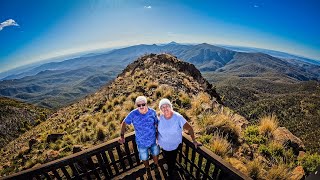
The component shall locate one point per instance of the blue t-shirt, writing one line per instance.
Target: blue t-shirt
(144, 126)
(170, 131)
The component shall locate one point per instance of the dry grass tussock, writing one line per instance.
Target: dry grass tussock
(255, 169)
(220, 145)
(222, 123)
(199, 102)
(267, 125)
(278, 172)
(238, 165)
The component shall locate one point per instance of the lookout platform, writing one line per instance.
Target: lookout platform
(111, 160)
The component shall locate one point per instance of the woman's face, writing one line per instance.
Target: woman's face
(166, 110)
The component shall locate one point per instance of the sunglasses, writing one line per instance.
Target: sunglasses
(139, 105)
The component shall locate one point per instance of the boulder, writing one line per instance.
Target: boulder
(51, 155)
(297, 173)
(32, 142)
(285, 137)
(54, 137)
(301, 154)
(77, 148)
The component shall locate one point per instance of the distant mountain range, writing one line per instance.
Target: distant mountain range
(56, 84)
(274, 53)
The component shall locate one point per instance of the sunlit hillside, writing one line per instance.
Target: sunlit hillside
(17, 117)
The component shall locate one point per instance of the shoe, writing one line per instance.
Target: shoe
(165, 166)
(156, 170)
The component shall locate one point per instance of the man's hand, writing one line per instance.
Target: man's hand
(121, 140)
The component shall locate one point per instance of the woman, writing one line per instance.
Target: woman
(170, 127)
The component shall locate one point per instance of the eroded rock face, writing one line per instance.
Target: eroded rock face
(285, 137)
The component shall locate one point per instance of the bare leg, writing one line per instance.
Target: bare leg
(146, 163)
(155, 160)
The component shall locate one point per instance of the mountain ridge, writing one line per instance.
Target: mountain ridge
(204, 56)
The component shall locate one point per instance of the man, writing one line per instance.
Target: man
(145, 121)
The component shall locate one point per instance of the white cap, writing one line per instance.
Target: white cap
(141, 98)
(164, 101)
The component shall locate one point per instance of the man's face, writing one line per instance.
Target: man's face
(142, 107)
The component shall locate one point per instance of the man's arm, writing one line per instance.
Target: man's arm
(123, 129)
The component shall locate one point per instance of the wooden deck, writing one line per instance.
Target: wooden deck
(139, 172)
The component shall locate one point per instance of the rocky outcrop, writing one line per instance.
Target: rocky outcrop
(175, 64)
(285, 137)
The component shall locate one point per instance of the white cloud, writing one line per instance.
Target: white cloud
(147, 7)
(256, 6)
(9, 22)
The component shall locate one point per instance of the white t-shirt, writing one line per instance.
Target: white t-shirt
(170, 131)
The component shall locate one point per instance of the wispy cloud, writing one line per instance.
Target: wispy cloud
(147, 7)
(256, 6)
(9, 22)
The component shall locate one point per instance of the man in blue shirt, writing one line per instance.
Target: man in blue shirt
(145, 124)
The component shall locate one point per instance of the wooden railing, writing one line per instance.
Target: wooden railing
(201, 163)
(104, 161)
(110, 159)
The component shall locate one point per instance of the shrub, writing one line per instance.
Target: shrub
(252, 135)
(267, 125)
(272, 150)
(264, 150)
(309, 162)
(205, 139)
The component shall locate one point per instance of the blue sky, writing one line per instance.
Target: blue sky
(35, 30)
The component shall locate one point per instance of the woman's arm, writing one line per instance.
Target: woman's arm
(191, 132)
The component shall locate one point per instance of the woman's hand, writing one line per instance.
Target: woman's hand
(196, 144)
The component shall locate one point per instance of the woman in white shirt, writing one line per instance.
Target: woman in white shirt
(170, 127)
